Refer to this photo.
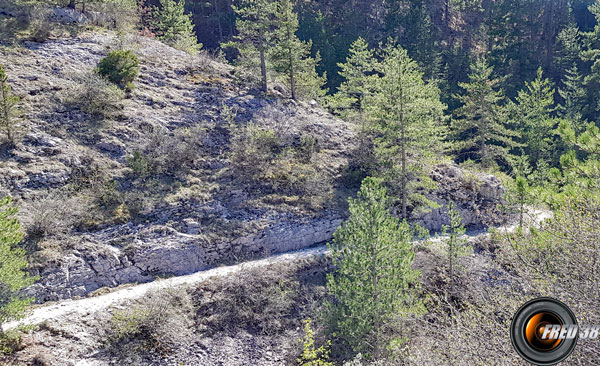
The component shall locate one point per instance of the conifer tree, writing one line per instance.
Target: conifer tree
(255, 24)
(455, 244)
(175, 27)
(374, 281)
(405, 115)
(535, 104)
(9, 112)
(591, 55)
(12, 264)
(574, 97)
(291, 56)
(349, 99)
(478, 127)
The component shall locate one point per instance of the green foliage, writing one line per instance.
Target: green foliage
(574, 97)
(254, 23)
(455, 244)
(9, 110)
(312, 356)
(139, 164)
(349, 99)
(479, 129)
(373, 282)
(175, 27)
(120, 67)
(534, 109)
(291, 57)
(405, 116)
(253, 150)
(13, 266)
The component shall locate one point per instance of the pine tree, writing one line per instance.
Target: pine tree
(255, 24)
(12, 265)
(591, 55)
(175, 27)
(374, 281)
(455, 244)
(405, 115)
(291, 56)
(478, 127)
(574, 98)
(9, 112)
(348, 102)
(567, 48)
(535, 104)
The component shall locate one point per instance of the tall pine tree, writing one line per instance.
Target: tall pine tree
(374, 281)
(291, 57)
(255, 24)
(574, 96)
(534, 115)
(175, 27)
(478, 128)
(348, 102)
(405, 115)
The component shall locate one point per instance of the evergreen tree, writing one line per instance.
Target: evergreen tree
(255, 25)
(535, 105)
(567, 48)
(455, 244)
(9, 112)
(291, 56)
(175, 27)
(591, 55)
(574, 97)
(12, 265)
(349, 99)
(478, 127)
(374, 281)
(405, 115)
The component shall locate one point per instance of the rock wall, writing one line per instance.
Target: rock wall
(84, 271)
(476, 196)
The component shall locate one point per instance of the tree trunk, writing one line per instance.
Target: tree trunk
(291, 59)
(218, 17)
(404, 193)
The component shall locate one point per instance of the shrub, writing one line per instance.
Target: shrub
(252, 151)
(307, 148)
(311, 355)
(53, 215)
(158, 323)
(120, 67)
(138, 164)
(172, 154)
(95, 95)
(258, 301)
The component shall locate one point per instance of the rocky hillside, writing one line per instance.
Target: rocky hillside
(115, 190)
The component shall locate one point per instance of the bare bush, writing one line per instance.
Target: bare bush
(54, 215)
(259, 301)
(157, 324)
(94, 95)
(170, 154)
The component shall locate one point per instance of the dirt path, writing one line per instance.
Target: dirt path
(92, 304)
